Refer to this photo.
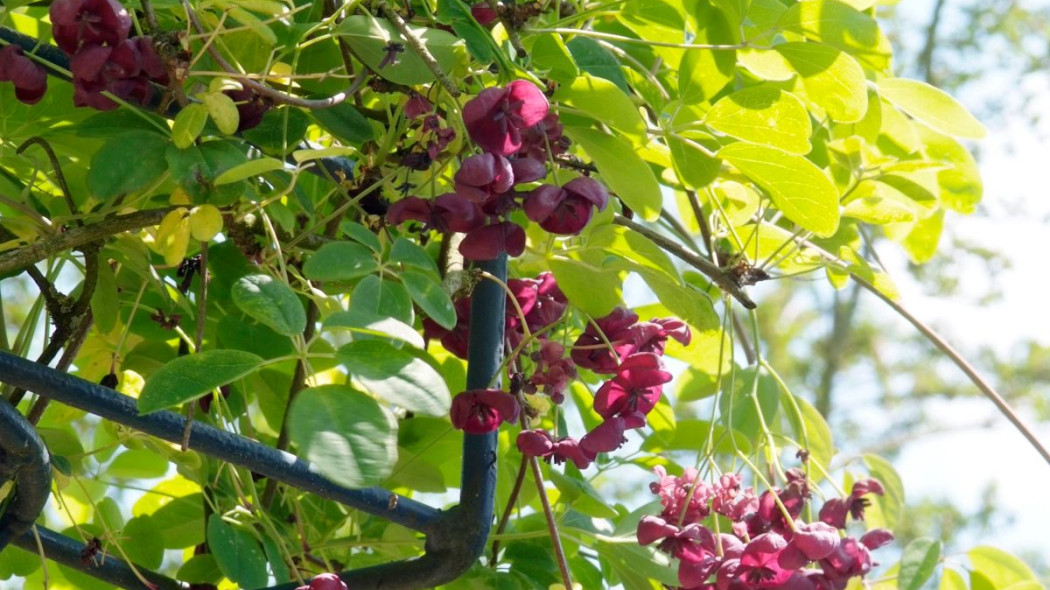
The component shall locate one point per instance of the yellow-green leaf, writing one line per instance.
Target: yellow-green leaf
(840, 25)
(205, 222)
(223, 111)
(832, 79)
(622, 169)
(188, 125)
(931, 106)
(604, 101)
(766, 115)
(248, 169)
(797, 186)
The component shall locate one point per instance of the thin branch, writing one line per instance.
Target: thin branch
(926, 56)
(79, 236)
(948, 350)
(61, 178)
(198, 336)
(420, 49)
(505, 517)
(72, 348)
(552, 526)
(633, 41)
(264, 90)
(719, 276)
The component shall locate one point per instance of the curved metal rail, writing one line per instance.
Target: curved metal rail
(455, 538)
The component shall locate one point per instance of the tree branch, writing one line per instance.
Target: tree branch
(420, 49)
(79, 236)
(721, 277)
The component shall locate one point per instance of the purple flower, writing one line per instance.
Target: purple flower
(75, 23)
(673, 492)
(489, 241)
(496, 117)
(566, 210)
(591, 351)
(417, 106)
(29, 79)
(483, 13)
(540, 443)
(250, 107)
(810, 542)
(636, 387)
(608, 436)
(482, 410)
(446, 213)
(834, 511)
(759, 563)
(484, 176)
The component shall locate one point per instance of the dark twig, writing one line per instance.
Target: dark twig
(420, 49)
(505, 517)
(721, 277)
(61, 178)
(72, 348)
(552, 526)
(198, 336)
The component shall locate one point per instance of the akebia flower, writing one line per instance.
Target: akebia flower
(635, 388)
(447, 213)
(566, 210)
(540, 443)
(483, 176)
(75, 23)
(608, 436)
(482, 410)
(489, 241)
(834, 511)
(29, 79)
(496, 117)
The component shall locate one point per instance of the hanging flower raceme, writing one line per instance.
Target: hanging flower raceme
(29, 78)
(799, 556)
(447, 213)
(834, 511)
(77, 23)
(622, 330)
(482, 410)
(540, 443)
(497, 117)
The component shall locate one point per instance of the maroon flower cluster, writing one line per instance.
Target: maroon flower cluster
(102, 57)
(29, 78)
(542, 303)
(518, 132)
(623, 401)
(764, 550)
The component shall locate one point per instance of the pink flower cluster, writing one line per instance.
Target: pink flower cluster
(765, 549)
(103, 58)
(517, 131)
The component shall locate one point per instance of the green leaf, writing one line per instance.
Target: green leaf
(692, 434)
(188, 125)
(885, 510)
(594, 59)
(110, 174)
(248, 169)
(952, 580)
(366, 323)
(811, 431)
(369, 36)
(550, 53)
(345, 122)
(921, 242)
(430, 296)
(271, 302)
(188, 377)
(878, 203)
(605, 102)
(340, 261)
(237, 552)
(931, 106)
(104, 300)
(693, 166)
(588, 286)
(623, 170)
(832, 79)
(396, 376)
(917, 563)
(142, 542)
(703, 73)
(840, 25)
(960, 183)
(382, 298)
(479, 41)
(346, 435)
(138, 464)
(409, 253)
(797, 186)
(362, 235)
(763, 114)
(581, 496)
(638, 566)
(200, 569)
(1000, 568)
(223, 111)
(280, 130)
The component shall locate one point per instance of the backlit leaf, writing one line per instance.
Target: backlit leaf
(189, 377)
(931, 106)
(270, 301)
(766, 115)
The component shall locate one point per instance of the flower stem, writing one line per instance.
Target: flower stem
(559, 552)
